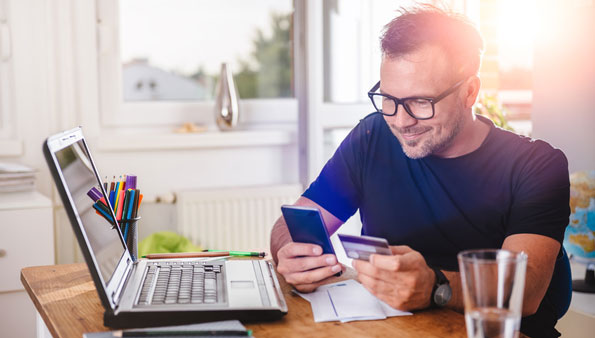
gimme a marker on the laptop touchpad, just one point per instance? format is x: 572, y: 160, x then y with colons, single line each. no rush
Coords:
x: 242, y: 284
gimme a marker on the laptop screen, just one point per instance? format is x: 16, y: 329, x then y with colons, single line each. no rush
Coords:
x: 105, y: 242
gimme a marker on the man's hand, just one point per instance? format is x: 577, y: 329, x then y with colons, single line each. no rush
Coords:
x: 304, y: 266
x: 404, y: 281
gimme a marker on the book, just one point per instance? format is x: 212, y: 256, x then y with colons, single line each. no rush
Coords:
x: 226, y: 328
x: 16, y: 177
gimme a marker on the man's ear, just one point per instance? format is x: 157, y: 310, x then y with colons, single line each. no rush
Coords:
x: 472, y: 86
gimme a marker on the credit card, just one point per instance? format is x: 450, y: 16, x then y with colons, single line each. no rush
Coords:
x: 361, y: 247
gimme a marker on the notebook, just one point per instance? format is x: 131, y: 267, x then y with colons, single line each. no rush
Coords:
x: 146, y: 293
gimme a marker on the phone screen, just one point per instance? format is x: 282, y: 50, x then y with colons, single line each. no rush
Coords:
x: 307, y: 226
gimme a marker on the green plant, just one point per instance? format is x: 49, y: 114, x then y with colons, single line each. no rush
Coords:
x: 489, y: 106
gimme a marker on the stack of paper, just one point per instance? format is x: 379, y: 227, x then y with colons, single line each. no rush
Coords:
x: 16, y: 177
x: 347, y: 301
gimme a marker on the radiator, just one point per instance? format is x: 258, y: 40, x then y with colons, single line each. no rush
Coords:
x: 233, y: 219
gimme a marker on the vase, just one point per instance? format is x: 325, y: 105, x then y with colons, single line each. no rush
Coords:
x: 226, y: 101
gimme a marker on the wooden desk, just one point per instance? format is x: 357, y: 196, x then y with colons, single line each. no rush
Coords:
x: 66, y: 299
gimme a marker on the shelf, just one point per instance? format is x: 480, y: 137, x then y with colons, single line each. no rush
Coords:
x: 205, y: 140
x: 24, y: 200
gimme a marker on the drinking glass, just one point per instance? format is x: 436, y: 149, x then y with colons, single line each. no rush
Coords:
x: 493, y: 282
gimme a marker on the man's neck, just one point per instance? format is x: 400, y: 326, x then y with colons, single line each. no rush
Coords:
x: 468, y: 140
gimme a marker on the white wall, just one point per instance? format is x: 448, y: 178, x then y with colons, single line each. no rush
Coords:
x: 564, y: 81
x: 31, y: 114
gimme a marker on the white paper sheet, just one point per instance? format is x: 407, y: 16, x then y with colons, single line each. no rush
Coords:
x: 347, y: 301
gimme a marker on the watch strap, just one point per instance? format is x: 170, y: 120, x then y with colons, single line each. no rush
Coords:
x: 440, y: 277
x: 440, y: 280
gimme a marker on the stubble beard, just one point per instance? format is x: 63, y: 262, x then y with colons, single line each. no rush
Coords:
x: 431, y: 144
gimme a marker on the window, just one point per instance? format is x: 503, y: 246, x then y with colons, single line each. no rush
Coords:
x: 508, y: 28
x: 517, y: 28
x: 351, y: 62
x: 165, y: 57
x: 9, y: 144
x: 352, y: 55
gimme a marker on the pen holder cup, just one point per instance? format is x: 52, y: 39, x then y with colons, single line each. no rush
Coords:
x: 130, y: 233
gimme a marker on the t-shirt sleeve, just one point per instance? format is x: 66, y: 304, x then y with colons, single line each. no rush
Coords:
x: 542, y: 192
x: 338, y: 186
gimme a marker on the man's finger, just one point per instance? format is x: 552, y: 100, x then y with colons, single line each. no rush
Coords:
x: 364, y: 267
x: 299, y: 249
x: 400, y: 249
x: 313, y: 276
x: 313, y: 286
x: 307, y: 288
x: 405, y: 262
x: 300, y: 264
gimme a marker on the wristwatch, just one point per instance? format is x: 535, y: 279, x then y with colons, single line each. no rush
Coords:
x: 441, y: 293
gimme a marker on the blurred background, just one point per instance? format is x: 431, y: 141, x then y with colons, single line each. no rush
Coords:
x: 140, y: 77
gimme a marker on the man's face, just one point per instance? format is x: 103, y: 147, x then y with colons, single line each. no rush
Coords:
x: 424, y: 72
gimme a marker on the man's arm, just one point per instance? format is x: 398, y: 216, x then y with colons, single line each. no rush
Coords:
x: 542, y: 252
x: 405, y: 281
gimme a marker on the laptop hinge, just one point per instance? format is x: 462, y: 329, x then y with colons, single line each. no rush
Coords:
x: 118, y: 292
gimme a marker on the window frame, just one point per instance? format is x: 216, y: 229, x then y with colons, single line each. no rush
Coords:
x: 10, y: 144
x: 114, y: 112
x: 5, y: 72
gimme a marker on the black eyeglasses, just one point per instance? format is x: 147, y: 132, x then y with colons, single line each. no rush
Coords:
x: 420, y: 108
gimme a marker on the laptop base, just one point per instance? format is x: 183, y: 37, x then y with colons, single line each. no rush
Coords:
x: 165, y: 318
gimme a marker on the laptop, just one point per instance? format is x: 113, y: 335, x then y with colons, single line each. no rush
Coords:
x: 143, y: 293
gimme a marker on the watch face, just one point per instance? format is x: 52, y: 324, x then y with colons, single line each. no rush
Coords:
x: 442, y: 294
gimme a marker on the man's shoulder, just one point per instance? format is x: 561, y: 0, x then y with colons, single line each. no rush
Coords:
x: 370, y: 127
x: 374, y: 119
x: 529, y: 153
x: 524, y: 146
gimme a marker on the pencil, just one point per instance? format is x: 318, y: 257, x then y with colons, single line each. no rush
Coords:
x: 186, y: 255
x: 117, y: 197
x: 241, y: 253
x: 137, y: 199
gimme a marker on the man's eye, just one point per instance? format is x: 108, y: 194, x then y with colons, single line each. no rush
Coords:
x: 419, y: 103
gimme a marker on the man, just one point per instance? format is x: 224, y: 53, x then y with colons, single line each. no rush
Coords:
x: 434, y: 179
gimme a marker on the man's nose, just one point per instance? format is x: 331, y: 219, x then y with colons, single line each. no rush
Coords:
x: 402, y: 119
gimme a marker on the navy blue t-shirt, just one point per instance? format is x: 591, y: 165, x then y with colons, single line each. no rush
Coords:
x: 440, y: 206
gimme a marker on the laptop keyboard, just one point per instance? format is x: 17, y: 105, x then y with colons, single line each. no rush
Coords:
x: 182, y: 282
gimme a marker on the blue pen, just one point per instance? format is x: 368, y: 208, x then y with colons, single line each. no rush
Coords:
x: 125, y: 216
x: 111, y: 199
x: 107, y: 216
x: 130, y: 204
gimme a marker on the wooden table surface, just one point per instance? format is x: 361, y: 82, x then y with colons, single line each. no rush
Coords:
x: 66, y: 299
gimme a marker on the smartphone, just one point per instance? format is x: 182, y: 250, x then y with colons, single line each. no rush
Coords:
x: 306, y: 225
x: 361, y: 247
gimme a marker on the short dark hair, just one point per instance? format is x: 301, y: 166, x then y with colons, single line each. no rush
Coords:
x: 425, y: 25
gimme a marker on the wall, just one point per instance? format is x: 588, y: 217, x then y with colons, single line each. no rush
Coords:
x: 564, y: 105
x: 30, y: 100
x: 564, y: 79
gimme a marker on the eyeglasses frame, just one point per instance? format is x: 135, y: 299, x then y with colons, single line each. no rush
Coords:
x: 397, y: 101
